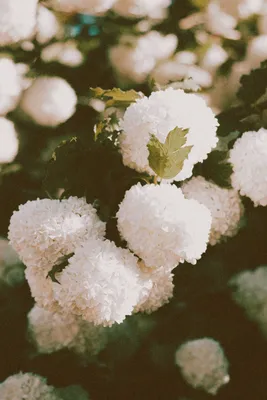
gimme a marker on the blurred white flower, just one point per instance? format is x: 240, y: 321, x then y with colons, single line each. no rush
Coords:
x: 241, y: 9
x: 256, y: 51
x: 219, y: 23
x: 10, y: 85
x: 141, y: 8
x: 203, y: 364
x: 214, y: 57
x: 262, y: 21
x: 135, y: 57
x: 162, y: 227
x: 49, y: 101
x: 17, y: 20
x: 92, y: 7
x: 47, y: 25
x: 159, y: 114
x: 66, y: 53
x: 9, y: 141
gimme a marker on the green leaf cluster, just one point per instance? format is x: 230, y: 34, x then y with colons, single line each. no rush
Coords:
x: 115, y: 97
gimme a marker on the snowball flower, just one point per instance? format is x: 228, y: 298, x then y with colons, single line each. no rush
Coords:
x: 9, y: 141
x: 257, y: 51
x: 224, y: 204
x: 51, y: 332
x: 11, y: 270
x: 162, y: 227
x: 49, y: 101
x: 17, y: 20
x: 47, y: 25
x: 203, y: 364
x: 214, y: 57
x: 102, y: 283
x: 92, y: 7
x: 65, y: 53
x: 161, y: 291
x: 220, y: 23
x: 42, y: 231
x: 141, y: 8
x: 159, y: 114
x: 27, y: 386
x: 135, y: 57
x: 249, y: 160
x: 10, y: 85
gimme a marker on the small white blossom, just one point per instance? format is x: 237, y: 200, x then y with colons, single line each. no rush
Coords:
x: 214, y: 57
x: 256, y: 51
x: 102, y: 283
x: 241, y: 9
x: 49, y: 101
x: 203, y: 364
x: 140, y: 8
x: 17, y: 20
x: 249, y: 160
x: 10, y: 85
x: 158, y: 115
x: 92, y: 7
x: 47, y: 25
x: 42, y: 231
x: 162, y: 227
x: 220, y: 23
x: 65, y: 53
x: 9, y: 141
x: 135, y: 57
x: 224, y: 204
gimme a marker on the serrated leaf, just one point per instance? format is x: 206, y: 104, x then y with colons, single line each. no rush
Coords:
x: 59, y: 267
x: 167, y: 159
x: 115, y: 96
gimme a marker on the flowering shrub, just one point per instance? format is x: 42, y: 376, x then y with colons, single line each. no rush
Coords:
x: 133, y: 138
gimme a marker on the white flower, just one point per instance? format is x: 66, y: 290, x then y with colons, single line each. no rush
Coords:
x: 27, y: 386
x: 256, y: 51
x: 10, y: 85
x: 161, y: 292
x: 158, y: 115
x: 42, y: 231
x: 102, y: 283
x: 65, y: 53
x: 162, y: 227
x: 9, y: 141
x: 224, y: 204
x: 214, y: 57
x: 17, y: 20
x: 11, y: 269
x: 262, y: 21
x: 140, y: 8
x: 49, y: 101
x: 241, y: 9
x: 249, y: 160
x: 203, y: 364
x: 92, y: 7
x: 220, y: 23
x: 47, y: 25
x: 51, y: 332
x: 135, y: 57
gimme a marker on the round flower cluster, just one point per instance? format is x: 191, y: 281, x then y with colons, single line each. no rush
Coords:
x: 158, y: 115
x: 141, y: 8
x: 10, y: 85
x: 102, y: 283
x: 134, y: 58
x: 34, y: 387
x: 11, y: 269
x: 47, y: 25
x: 203, y: 364
x: 49, y: 101
x: 43, y: 231
x: 249, y: 160
x: 65, y: 53
x: 162, y: 227
x: 224, y: 204
x: 17, y: 20
x: 92, y: 7
x: 52, y: 331
x: 9, y: 137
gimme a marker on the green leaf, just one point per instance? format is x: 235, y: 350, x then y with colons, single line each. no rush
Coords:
x: 59, y: 267
x: 167, y: 159
x: 115, y: 97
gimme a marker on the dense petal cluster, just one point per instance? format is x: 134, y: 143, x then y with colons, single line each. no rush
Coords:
x: 162, y: 227
x: 9, y: 137
x: 102, y: 283
x: 141, y: 8
x: 249, y: 160
x: 47, y: 25
x: 52, y: 331
x: 11, y: 269
x: 10, y: 85
x: 92, y: 7
x: 17, y: 20
x: 224, y: 204
x: 42, y: 231
x: 134, y: 58
x: 203, y: 364
x: 158, y: 115
x: 49, y: 101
